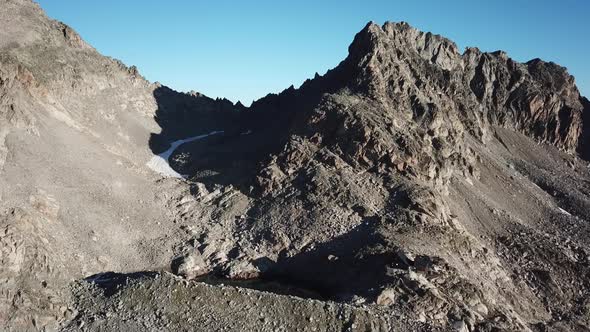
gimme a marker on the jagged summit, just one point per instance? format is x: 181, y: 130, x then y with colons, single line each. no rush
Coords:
x: 395, y: 62
x: 403, y: 37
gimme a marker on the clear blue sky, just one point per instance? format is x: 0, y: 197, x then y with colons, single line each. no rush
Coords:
x: 243, y: 50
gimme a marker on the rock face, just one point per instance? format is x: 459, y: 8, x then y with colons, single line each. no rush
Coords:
x: 412, y: 187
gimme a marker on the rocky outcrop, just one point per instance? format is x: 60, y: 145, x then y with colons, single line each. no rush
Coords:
x: 33, y: 283
x: 538, y: 98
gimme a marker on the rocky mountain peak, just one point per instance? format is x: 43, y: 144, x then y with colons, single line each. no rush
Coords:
x: 415, y: 86
x: 399, y: 40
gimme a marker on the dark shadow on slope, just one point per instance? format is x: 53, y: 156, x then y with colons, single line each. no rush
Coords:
x: 251, y: 135
x: 276, y: 286
x: 227, y: 158
x: 182, y: 115
x: 355, y: 263
x: 584, y: 142
x: 111, y: 282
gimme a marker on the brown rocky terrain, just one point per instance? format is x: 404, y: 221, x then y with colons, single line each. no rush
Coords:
x: 412, y: 187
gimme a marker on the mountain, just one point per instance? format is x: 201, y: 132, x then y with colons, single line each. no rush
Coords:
x: 412, y: 187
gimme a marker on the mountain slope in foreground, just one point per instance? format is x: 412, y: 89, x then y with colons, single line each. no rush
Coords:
x: 412, y: 187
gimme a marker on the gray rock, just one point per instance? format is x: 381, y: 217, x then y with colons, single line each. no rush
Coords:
x: 192, y: 265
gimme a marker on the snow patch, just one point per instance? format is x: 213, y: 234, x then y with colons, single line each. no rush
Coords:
x: 160, y: 163
x: 248, y: 132
x: 564, y: 212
